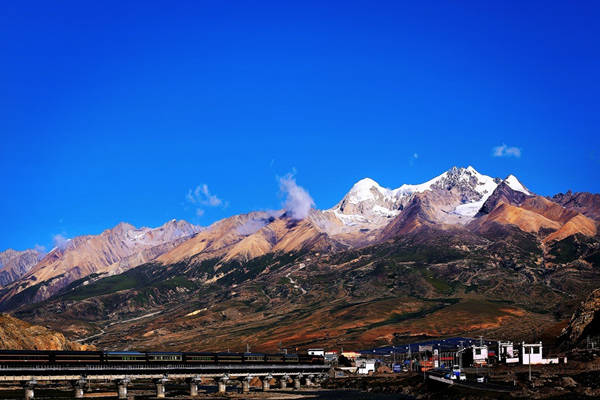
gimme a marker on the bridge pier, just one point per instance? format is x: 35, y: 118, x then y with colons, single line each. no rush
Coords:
x: 29, y: 392
x: 194, y: 385
x: 283, y: 382
x: 122, y: 388
x: 160, y: 387
x: 297, y: 382
x: 78, y: 387
x: 246, y: 384
x: 222, y: 385
x: 309, y: 380
x: 266, y: 383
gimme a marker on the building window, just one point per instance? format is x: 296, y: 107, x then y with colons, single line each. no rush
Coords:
x: 478, y: 352
x: 536, y: 350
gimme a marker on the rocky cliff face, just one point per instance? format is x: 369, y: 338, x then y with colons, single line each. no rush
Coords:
x: 14, y: 264
x: 584, y: 322
x: 585, y: 203
x: 20, y: 335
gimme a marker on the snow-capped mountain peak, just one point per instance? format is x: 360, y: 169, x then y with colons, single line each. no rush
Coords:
x: 366, y: 189
x: 515, y: 184
x: 367, y: 202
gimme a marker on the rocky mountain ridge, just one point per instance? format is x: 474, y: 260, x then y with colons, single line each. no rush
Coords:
x: 14, y: 264
x: 111, y: 252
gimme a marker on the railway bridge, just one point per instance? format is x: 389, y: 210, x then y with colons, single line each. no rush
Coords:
x: 82, y: 375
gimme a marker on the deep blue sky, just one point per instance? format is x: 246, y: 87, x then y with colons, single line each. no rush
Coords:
x: 113, y: 111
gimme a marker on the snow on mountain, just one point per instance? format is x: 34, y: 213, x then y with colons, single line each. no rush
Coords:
x: 515, y: 184
x: 368, y: 203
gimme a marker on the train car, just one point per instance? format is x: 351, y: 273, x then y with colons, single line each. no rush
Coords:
x: 274, y: 358
x: 229, y: 358
x: 305, y: 358
x: 124, y: 357
x: 163, y: 357
x: 76, y: 357
x: 291, y: 358
x: 24, y: 357
x: 199, y: 358
x: 254, y: 358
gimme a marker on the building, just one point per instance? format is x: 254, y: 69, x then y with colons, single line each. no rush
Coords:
x: 507, y: 353
x: 531, y: 353
x: 480, y: 354
x: 351, y: 355
x: 331, y: 356
x: 365, y: 366
x: 316, y: 352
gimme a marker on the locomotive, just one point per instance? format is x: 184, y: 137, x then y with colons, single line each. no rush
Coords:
x: 79, y: 358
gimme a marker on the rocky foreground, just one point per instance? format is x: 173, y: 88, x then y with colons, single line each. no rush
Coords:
x: 20, y: 335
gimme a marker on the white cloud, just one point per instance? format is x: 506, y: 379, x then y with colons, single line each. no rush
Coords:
x: 297, y: 200
x: 201, y: 196
x: 506, y: 151
x: 60, y: 241
x: 39, y: 248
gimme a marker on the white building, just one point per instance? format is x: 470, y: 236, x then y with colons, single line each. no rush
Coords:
x: 531, y: 353
x: 316, y: 352
x: 365, y: 366
x: 507, y: 353
x: 480, y: 354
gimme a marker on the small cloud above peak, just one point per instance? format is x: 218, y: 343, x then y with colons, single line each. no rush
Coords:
x: 60, y: 241
x: 201, y: 196
x: 297, y: 200
x: 506, y: 151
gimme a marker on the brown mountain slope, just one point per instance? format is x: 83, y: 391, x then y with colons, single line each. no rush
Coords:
x: 20, y: 335
x: 281, y: 235
x: 548, y: 209
x: 506, y: 214
x: 247, y: 236
x: 218, y: 238
x: 577, y: 224
x: 538, y: 215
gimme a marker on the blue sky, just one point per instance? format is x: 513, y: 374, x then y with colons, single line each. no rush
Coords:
x: 114, y: 111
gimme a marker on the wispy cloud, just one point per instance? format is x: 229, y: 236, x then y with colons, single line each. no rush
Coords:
x: 39, y: 248
x: 60, y: 241
x: 202, y: 197
x: 412, y: 159
x: 297, y: 200
x: 506, y: 151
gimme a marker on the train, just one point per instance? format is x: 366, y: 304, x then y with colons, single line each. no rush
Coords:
x: 74, y: 358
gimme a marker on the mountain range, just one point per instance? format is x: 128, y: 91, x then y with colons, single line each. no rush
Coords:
x: 462, y: 252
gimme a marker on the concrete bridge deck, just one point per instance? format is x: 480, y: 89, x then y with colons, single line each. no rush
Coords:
x: 80, y: 376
